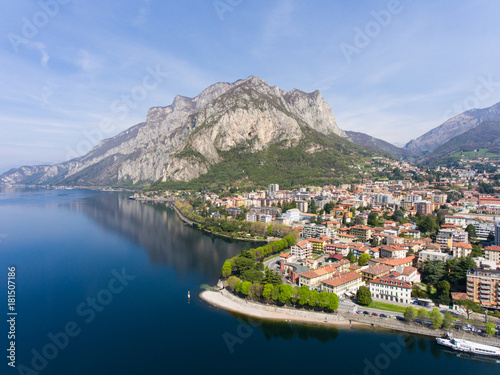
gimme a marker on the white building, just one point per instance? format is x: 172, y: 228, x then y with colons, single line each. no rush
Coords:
x: 266, y: 218
x: 390, y: 288
x: 316, y: 230
x: 292, y: 215
x: 497, y: 233
x: 348, y: 282
x: 302, y: 250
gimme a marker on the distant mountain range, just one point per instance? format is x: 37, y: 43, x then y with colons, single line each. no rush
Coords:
x: 250, y: 133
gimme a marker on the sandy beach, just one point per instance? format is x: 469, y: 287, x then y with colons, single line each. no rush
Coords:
x: 229, y: 302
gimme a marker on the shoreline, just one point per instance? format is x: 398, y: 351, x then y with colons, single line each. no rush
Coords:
x: 226, y: 301
x: 194, y: 224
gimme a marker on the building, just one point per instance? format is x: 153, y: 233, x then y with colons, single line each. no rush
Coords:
x: 445, y: 239
x: 394, y: 262
x: 393, y: 252
x: 272, y: 189
x: 361, y: 232
x: 317, y: 244
x: 390, y: 288
x: 302, y: 206
x: 345, y: 283
x: 249, y: 216
x: 313, y: 278
x: 302, y: 249
x: 317, y: 230
x: 497, y: 233
x: 292, y: 215
x: 492, y: 253
x: 461, y: 249
x: 455, y: 220
x: 409, y: 274
x: 266, y: 218
x: 432, y: 255
x: 483, y: 286
x: 424, y: 207
x: 374, y: 272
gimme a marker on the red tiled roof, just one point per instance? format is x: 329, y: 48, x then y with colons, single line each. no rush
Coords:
x: 343, y: 278
x: 492, y: 248
x: 391, y: 279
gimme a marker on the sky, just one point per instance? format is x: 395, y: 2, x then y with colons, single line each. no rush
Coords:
x: 74, y: 72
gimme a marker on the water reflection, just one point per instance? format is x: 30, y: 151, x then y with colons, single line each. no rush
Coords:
x: 289, y: 330
x: 157, y: 229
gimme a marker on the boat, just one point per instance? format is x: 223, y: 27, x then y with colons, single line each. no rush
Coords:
x: 467, y: 346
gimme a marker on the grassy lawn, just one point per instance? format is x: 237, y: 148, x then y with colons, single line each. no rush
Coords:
x: 387, y: 306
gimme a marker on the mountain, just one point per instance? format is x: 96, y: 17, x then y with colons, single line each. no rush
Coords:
x: 225, y: 124
x: 481, y: 141
x: 451, y: 128
x: 366, y: 140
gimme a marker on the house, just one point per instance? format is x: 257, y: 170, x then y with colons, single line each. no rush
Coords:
x: 374, y: 272
x: 492, y: 253
x: 392, y: 252
x: 344, y: 283
x: 312, y: 278
x: 334, y: 258
x: 292, y: 270
x: 425, y: 255
x: 390, y: 288
x: 316, y: 231
x: 408, y: 274
x: 461, y: 249
x: 302, y: 249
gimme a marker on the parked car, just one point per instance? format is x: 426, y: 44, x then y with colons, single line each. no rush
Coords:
x: 392, y: 317
x: 359, y: 312
x: 374, y: 314
x: 401, y: 318
x: 366, y: 313
x: 383, y: 316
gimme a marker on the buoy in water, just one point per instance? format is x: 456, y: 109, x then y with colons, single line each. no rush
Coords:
x: 189, y: 295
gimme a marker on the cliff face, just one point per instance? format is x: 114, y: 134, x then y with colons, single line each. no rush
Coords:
x: 451, y: 128
x: 181, y: 141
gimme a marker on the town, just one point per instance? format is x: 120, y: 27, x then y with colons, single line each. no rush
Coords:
x: 430, y: 237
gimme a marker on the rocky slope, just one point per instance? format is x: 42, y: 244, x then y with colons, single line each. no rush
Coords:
x: 451, y: 128
x: 182, y: 141
x: 368, y: 141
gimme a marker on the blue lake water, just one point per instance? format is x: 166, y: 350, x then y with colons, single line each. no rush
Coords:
x: 108, y: 277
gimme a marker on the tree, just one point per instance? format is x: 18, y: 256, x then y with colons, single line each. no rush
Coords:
x: 237, y: 286
x: 295, y: 294
x: 422, y: 314
x: 417, y: 292
x: 373, y: 219
x: 304, y: 295
x: 448, y: 321
x: 313, y: 298
x: 245, y: 287
x: 333, y: 301
x: 427, y: 224
x: 275, y: 293
x: 231, y: 282
x: 227, y: 268
x: 436, y: 318
x: 477, y: 251
x: 363, y: 259
x: 433, y: 271
x: 350, y: 256
x: 252, y: 275
x: 410, y: 314
x: 469, y: 306
x: 267, y: 291
x: 443, y: 292
x: 471, y: 230
x: 363, y: 296
x: 490, y: 328
x: 243, y: 264
x: 285, y: 293
x: 256, y: 291
x: 324, y: 300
